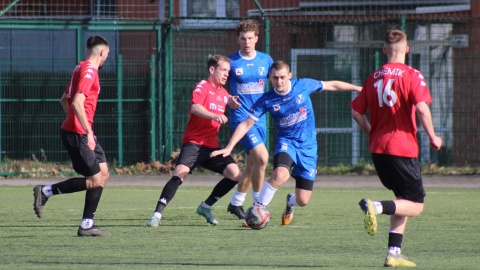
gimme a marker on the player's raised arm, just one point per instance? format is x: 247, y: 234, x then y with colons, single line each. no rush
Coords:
x: 340, y: 86
x: 233, y: 102
x: 240, y: 131
x: 201, y: 111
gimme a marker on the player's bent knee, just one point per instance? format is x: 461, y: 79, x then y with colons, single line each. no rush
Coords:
x: 302, y: 203
x: 419, y: 208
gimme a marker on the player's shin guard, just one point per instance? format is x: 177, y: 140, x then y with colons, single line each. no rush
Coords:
x: 220, y: 190
x: 92, y: 198
x: 168, y: 193
x: 69, y: 186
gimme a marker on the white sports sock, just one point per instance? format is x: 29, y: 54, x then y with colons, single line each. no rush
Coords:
x: 394, y: 251
x: 255, y: 195
x: 292, y: 201
x: 86, y: 223
x: 266, y: 194
x: 47, y: 191
x: 157, y: 215
x: 378, y: 207
x: 238, y: 198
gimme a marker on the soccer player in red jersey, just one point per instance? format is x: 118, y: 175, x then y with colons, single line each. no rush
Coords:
x: 79, y: 102
x: 394, y: 95
x: 207, y: 114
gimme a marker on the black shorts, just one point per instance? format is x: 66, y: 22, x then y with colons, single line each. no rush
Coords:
x: 283, y: 159
x: 192, y: 155
x: 402, y: 175
x: 84, y: 161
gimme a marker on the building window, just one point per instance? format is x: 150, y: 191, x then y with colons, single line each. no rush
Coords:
x: 210, y: 8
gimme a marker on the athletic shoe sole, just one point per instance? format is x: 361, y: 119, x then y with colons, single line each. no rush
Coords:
x: 94, y: 231
x: 370, y: 219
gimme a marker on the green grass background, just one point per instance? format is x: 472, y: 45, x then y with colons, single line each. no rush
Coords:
x: 327, y: 234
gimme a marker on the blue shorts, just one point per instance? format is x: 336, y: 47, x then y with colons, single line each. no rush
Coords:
x: 255, y: 136
x: 304, y: 158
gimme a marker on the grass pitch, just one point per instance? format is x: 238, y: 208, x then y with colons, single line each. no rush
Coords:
x: 327, y: 234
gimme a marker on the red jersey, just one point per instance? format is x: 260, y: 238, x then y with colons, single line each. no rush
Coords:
x: 200, y: 130
x: 84, y: 80
x: 390, y: 94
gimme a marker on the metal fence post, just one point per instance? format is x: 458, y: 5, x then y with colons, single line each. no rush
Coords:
x: 152, y: 107
x: 120, y: 108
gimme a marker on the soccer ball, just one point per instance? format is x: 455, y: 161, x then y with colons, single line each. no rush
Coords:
x: 257, y: 217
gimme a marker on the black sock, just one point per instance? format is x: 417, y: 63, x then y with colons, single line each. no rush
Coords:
x: 395, y: 240
x: 69, y: 186
x: 389, y: 207
x: 168, y: 193
x: 220, y: 190
x: 92, y: 198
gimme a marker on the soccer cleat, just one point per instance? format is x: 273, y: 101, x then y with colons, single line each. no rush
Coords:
x: 288, y: 213
x: 39, y: 200
x: 236, y: 210
x: 207, y: 213
x: 398, y: 261
x: 153, y: 222
x: 370, y: 220
x: 93, y: 231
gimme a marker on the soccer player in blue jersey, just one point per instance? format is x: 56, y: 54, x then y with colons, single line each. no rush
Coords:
x: 289, y: 103
x: 247, y: 81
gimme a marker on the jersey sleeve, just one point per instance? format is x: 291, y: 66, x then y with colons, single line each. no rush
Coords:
x: 420, y: 91
x: 86, y: 80
x: 312, y: 85
x: 360, y: 104
x: 258, y: 109
x: 199, y: 93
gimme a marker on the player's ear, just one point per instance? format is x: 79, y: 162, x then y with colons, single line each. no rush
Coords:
x: 211, y: 69
x: 407, y: 49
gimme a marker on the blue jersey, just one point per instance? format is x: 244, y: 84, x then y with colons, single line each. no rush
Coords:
x: 293, y: 112
x: 248, y: 79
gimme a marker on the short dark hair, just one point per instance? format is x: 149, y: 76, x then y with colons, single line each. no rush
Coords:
x: 214, y: 59
x: 279, y: 64
x: 95, y: 41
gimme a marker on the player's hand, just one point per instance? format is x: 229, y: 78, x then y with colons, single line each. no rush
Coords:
x: 233, y: 103
x: 436, y: 143
x: 224, y: 152
x: 220, y: 118
x: 91, y: 141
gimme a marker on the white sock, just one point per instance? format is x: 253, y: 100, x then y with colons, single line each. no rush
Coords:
x: 238, y: 198
x: 378, y: 207
x: 87, y: 223
x: 394, y: 251
x: 47, y: 191
x: 292, y: 201
x: 157, y: 215
x: 266, y: 194
x: 255, y: 195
